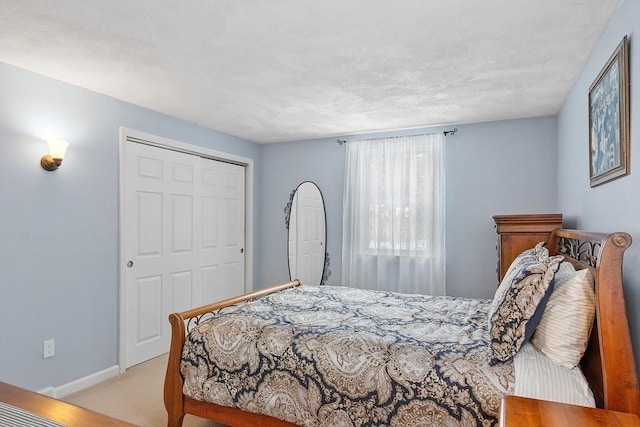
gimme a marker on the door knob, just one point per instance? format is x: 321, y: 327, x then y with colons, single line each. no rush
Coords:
x: 130, y: 264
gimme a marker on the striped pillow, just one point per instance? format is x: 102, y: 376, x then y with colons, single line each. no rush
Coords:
x: 539, y: 377
x: 565, y: 325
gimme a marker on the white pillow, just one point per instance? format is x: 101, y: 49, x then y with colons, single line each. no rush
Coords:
x: 565, y: 326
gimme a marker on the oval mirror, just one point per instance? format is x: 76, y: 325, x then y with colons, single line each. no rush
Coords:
x: 307, y: 234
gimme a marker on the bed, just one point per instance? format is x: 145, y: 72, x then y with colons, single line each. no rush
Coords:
x: 261, y: 376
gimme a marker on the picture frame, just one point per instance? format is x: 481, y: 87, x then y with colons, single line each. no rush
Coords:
x: 609, y: 141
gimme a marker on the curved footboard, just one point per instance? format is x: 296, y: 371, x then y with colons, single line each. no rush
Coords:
x: 174, y: 400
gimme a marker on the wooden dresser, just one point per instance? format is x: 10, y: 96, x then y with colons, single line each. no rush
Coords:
x: 517, y: 233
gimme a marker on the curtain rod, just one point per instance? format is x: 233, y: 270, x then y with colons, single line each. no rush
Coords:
x: 446, y: 132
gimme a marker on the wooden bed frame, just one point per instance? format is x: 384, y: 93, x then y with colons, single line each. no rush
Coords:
x: 608, y: 363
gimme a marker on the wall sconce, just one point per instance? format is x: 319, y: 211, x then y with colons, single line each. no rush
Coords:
x: 53, y: 160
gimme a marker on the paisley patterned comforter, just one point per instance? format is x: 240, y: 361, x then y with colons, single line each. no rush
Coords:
x: 336, y: 356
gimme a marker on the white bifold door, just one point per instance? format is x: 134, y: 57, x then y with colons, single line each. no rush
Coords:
x: 183, y: 232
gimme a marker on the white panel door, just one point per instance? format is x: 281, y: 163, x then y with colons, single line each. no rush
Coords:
x: 310, y: 237
x: 222, y: 238
x: 173, y: 220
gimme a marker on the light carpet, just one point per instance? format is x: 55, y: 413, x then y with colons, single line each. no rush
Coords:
x: 135, y: 396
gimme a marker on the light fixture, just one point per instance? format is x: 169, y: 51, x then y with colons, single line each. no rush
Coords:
x: 53, y: 160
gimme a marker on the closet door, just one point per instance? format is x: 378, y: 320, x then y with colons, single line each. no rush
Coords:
x: 183, y: 231
x: 222, y: 237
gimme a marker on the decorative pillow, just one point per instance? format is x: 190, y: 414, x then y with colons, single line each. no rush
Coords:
x: 564, y: 329
x: 520, y: 300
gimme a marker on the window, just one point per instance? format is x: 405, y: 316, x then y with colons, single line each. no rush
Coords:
x: 393, y: 225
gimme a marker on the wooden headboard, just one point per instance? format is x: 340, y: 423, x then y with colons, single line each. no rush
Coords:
x: 608, y: 363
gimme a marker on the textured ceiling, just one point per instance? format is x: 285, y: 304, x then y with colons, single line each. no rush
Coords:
x: 283, y: 70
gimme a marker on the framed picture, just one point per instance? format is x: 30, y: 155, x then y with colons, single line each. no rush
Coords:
x: 609, y: 119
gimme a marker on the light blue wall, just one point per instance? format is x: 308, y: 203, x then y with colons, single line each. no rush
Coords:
x: 613, y: 206
x: 58, y: 230
x: 505, y: 167
x: 284, y: 166
x: 491, y: 168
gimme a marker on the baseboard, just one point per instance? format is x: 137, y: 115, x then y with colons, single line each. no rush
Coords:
x: 82, y: 383
x: 49, y: 391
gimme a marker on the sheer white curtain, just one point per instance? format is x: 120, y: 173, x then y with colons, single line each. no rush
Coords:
x: 393, y: 218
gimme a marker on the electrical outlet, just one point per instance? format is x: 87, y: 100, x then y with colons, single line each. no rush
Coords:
x: 49, y: 348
